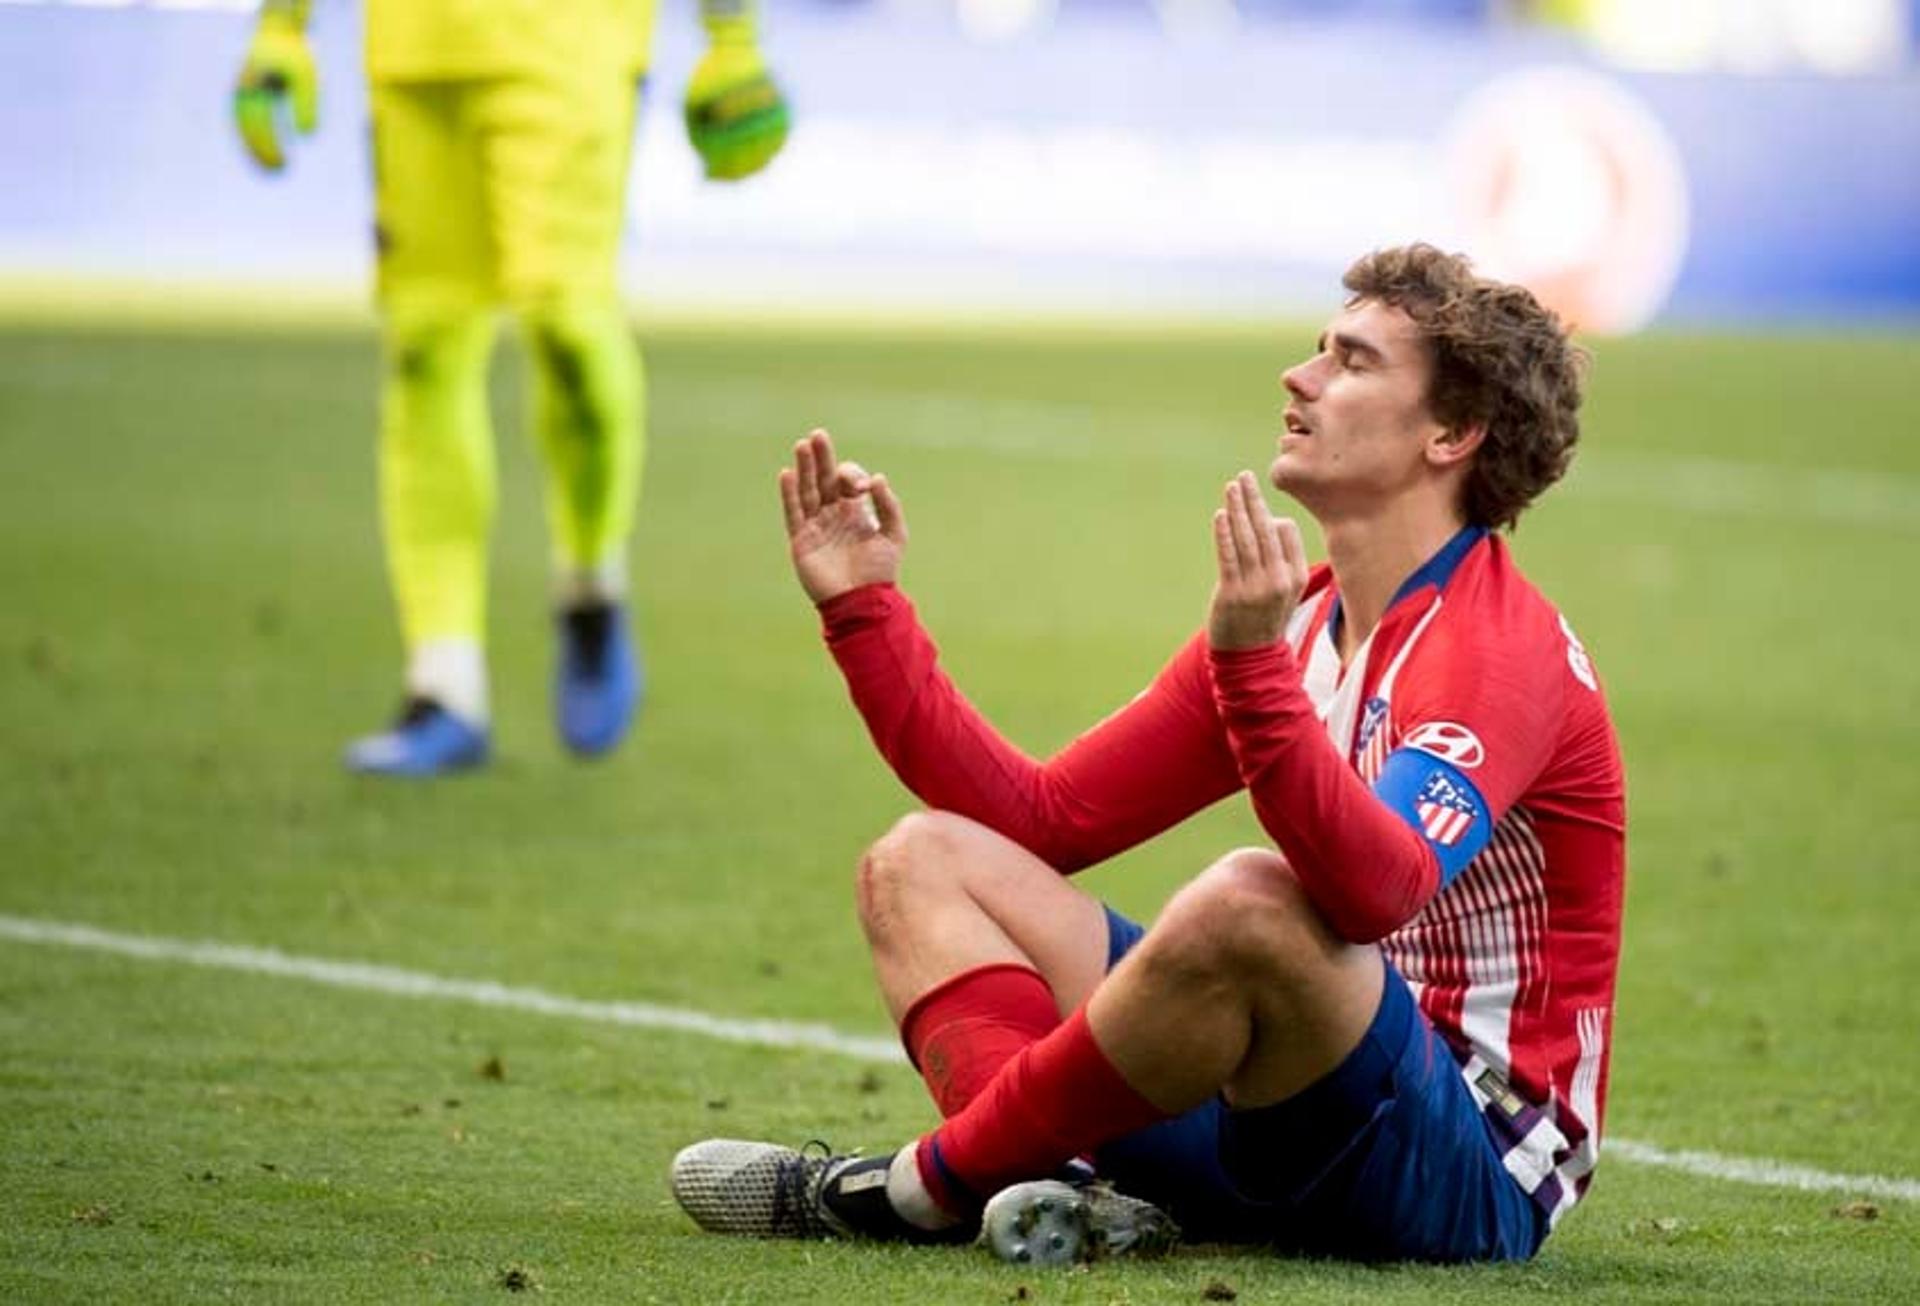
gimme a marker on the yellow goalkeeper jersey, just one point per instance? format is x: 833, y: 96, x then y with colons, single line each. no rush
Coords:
x: 441, y: 40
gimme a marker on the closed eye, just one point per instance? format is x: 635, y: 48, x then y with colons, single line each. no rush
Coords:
x: 1353, y: 353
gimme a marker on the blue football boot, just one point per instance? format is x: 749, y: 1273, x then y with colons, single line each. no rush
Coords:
x: 426, y: 740
x: 597, y: 685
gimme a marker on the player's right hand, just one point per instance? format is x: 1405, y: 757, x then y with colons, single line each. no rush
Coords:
x: 1262, y: 569
x: 279, y: 73
x: 845, y: 529
x: 736, y: 116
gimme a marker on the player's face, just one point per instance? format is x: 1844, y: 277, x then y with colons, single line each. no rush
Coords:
x: 1356, y: 420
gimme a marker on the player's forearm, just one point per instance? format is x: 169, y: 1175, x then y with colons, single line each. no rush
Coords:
x: 935, y: 741
x: 1145, y: 768
x: 1130, y: 777
x: 1362, y: 866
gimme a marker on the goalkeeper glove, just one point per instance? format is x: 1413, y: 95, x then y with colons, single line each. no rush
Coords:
x: 736, y: 117
x: 279, y: 68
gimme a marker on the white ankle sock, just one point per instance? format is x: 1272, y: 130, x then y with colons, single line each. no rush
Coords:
x: 604, y: 582
x: 909, y: 1196
x: 453, y: 673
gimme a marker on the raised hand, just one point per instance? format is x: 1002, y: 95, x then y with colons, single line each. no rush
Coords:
x: 1263, y: 568
x: 844, y: 527
x: 277, y: 83
x: 736, y: 116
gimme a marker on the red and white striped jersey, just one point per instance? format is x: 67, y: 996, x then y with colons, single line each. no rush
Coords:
x: 1453, y: 793
x: 1514, y: 958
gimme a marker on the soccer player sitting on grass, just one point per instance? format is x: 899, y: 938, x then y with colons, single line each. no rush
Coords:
x: 501, y: 133
x: 1384, y: 1038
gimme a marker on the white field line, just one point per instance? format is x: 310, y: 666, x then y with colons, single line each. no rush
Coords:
x: 484, y: 993
x: 1760, y: 1171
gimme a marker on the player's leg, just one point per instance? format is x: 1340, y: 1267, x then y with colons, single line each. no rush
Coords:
x: 1321, y: 1111
x: 557, y: 170
x: 1238, y: 989
x: 1389, y: 1156
x: 978, y: 946
x: 437, y: 479
x: 1318, y: 1109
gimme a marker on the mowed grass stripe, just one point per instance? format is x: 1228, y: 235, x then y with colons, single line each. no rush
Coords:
x: 1052, y: 430
x: 1758, y: 1171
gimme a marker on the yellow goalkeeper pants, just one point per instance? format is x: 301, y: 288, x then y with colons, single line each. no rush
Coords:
x: 501, y: 193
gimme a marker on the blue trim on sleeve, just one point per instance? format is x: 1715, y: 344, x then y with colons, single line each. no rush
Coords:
x: 1440, y: 803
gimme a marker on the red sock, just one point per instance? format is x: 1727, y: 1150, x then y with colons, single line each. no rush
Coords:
x: 1058, y: 1099
x: 962, y: 1031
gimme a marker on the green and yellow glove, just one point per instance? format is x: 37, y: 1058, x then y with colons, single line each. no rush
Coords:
x: 279, y: 70
x: 736, y: 117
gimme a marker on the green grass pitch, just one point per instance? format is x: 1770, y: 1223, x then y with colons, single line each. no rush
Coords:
x: 193, y: 620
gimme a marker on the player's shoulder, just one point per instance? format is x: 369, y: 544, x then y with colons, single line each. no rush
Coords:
x: 1500, y: 668
x: 1491, y: 602
x: 1495, y: 621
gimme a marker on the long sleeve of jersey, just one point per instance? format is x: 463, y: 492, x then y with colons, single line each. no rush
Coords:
x: 1365, y: 868
x: 1151, y: 764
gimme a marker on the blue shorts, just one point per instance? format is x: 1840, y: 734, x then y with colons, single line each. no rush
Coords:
x: 1385, y: 1159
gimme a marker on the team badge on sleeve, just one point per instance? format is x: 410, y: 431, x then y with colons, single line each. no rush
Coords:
x: 1434, y: 796
x: 1445, y: 812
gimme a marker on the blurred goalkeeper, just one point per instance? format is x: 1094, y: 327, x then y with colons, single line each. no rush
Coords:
x: 501, y: 138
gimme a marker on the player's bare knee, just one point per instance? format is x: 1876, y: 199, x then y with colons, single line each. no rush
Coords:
x: 900, y: 867
x: 1277, y: 910
x: 1244, y: 916
x: 1196, y: 937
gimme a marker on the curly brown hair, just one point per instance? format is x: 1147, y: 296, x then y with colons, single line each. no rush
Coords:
x: 1500, y: 359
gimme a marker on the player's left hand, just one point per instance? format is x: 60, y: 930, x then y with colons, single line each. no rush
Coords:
x: 1263, y: 568
x: 278, y: 75
x: 736, y: 117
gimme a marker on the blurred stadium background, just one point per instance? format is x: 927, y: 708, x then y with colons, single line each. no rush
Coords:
x: 971, y: 262
x: 1686, y: 160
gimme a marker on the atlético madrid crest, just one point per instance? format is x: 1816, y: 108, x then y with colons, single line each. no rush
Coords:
x: 1446, y: 813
